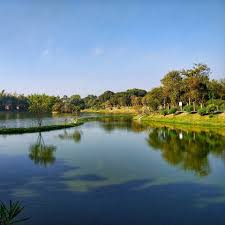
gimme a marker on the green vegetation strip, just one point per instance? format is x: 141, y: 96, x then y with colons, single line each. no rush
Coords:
x: 37, y: 129
x: 189, y: 119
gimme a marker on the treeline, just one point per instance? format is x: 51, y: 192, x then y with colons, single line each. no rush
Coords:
x: 191, y: 87
x: 12, y: 102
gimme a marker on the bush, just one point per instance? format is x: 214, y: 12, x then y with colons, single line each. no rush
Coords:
x: 164, y: 112
x: 217, y: 102
x: 202, y: 111
x: 188, y: 108
x: 172, y: 111
x: 211, y: 108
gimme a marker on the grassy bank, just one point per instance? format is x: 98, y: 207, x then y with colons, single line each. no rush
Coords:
x: 38, y: 129
x: 183, y: 118
x: 217, y: 120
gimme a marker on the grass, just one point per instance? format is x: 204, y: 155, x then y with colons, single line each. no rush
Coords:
x: 186, y: 118
x: 181, y: 118
x: 24, y: 130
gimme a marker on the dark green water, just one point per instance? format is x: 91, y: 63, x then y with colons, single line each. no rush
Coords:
x: 116, y: 172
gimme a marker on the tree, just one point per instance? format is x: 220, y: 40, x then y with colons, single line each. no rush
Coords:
x: 196, y: 82
x: 136, y: 92
x: 154, y: 99
x: 76, y: 100
x: 172, y: 87
x: 58, y: 107
x: 90, y: 101
x: 215, y: 88
x: 39, y: 105
x: 136, y: 101
x: 105, y: 96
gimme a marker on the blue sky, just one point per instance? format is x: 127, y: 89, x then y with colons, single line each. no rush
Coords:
x: 68, y: 47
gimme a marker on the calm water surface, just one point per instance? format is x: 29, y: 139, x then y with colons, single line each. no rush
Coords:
x: 11, y: 119
x: 116, y: 172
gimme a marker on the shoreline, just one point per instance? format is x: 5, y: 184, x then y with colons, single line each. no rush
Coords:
x: 191, y: 120
x: 217, y: 120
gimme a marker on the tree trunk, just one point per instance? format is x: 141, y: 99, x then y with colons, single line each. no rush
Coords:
x: 194, y: 106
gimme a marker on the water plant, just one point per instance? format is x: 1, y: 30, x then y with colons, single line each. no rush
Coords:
x: 9, y: 213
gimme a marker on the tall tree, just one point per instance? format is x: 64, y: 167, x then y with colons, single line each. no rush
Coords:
x: 39, y: 105
x: 172, y: 87
x: 105, y: 96
x: 196, y: 83
x: 154, y: 99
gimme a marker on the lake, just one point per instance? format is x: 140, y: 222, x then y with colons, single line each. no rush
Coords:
x: 115, y: 171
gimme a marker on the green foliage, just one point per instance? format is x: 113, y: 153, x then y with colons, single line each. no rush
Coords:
x: 39, y: 105
x: 136, y: 92
x: 105, y: 96
x: 172, y: 86
x: 219, y: 103
x: 188, y: 108
x: 9, y: 214
x: 13, y: 102
x: 196, y: 82
x: 202, y: 111
x: 164, y: 112
x: 211, y: 108
x: 154, y: 99
x: 172, y: 111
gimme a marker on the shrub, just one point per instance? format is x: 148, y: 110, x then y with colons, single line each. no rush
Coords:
x: 172, y: 111
x: 202, y: 111
x: 9, y: 213
x: 211, y: 108
x: 217, y: 102
x: 188, y: 108
x: 164, y: 112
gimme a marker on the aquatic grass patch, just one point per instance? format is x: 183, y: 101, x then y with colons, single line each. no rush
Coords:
x: 24, y: 130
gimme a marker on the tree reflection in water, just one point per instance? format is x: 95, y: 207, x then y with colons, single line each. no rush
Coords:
x: 75, y: 136
x: 186, y: 149
x: 42, y: 154
x: 122, y: 124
